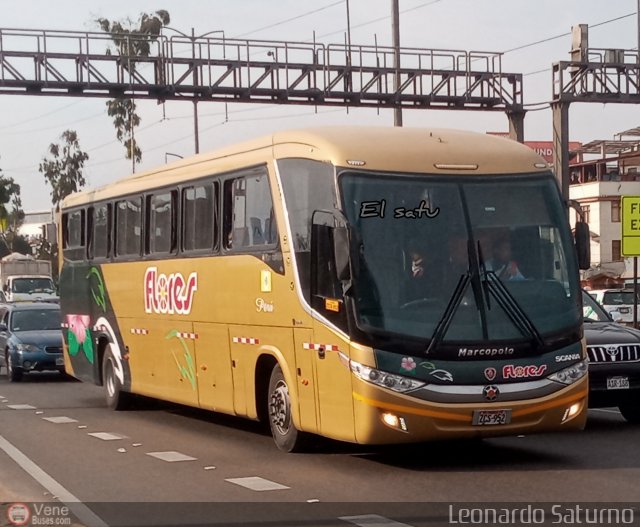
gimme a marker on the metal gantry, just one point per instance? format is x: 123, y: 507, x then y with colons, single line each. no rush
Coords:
x: 605, y: 76
x: 66, y: 63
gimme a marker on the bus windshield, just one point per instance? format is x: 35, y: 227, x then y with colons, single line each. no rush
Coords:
x: 487, y: 258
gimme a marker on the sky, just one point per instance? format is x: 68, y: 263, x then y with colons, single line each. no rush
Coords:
x: 539, y: 29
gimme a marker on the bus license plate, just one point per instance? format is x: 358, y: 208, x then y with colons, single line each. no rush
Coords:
x: 617, y: 383
x: 491, y: 417
x: 59, y: 361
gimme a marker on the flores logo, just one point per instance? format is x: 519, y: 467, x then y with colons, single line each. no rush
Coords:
x: 519, y: 372
x: 484, y: 352
x: 570, y: 356
x: 168, y: 294
x: 490, y: 392
x: 490, y: 373
x: 18, y: 514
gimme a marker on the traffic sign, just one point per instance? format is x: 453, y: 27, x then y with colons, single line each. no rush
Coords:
x: 630, y: 225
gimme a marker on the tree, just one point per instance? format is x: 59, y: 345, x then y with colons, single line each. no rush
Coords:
x: 63, y: 171
x: 10, y: 193
x: 132, y: 40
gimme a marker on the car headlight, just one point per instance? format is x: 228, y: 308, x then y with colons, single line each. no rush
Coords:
x: 27, y: 348
x: 571, y: 374
x: 394, y: 382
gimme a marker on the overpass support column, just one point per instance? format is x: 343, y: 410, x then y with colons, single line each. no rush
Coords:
x: 561, y: 145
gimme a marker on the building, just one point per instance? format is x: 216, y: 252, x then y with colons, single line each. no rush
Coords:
x: 598, y: 184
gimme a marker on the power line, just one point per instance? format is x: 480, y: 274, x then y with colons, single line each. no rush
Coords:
x: 24, y: 121
x: 297, y: 17
x: 373, y: 21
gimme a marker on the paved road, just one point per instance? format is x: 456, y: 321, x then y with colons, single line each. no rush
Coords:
x: 184, y: 461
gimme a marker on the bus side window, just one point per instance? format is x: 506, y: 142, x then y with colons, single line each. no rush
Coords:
x: 74, y: 225
x: 248, y: 213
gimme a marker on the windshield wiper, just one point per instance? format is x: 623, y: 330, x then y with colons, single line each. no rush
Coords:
x: 511, y: 307
x: 447, y: 316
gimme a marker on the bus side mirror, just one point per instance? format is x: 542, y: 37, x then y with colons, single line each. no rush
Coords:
x: 583, y: 245
x: 341, y: 252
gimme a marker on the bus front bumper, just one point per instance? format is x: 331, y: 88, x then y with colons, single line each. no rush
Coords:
x: 384, y: 417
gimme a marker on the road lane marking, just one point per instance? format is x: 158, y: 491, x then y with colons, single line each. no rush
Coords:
x: 105, y: 436
x: 21, y: 407
x: 605, y: 410
x: 372, y: 520
x: 60, y: 420
x: 257, y: 483
x: 80, y: 510
x: 171, y: 456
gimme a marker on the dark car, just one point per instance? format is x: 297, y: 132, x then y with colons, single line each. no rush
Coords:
x: 614, y: 361
x: 30, y: 338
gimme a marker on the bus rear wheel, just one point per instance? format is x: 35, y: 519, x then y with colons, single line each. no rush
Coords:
x: 115, y: 396
x: 286, y: 436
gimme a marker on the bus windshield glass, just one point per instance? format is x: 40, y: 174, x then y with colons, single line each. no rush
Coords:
x: 488, y: 258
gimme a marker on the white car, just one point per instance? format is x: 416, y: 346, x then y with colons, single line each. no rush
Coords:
x: 616, y: 301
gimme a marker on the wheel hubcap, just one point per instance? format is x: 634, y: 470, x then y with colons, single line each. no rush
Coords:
x: 280, y: 408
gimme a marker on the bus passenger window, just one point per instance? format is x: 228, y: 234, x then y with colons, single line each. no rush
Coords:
x: 128, y: 227
x: 199, y: 217
x: 161, y: 223
x: 100, y: 236
x: 249, y: 221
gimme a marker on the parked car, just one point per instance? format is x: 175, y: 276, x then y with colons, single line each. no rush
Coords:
x: 616, y: 300
x: 30, y: 338
x: 614, y: 361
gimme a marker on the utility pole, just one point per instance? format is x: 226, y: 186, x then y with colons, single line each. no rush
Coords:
x: 395, y: 16
x: 195, y: 95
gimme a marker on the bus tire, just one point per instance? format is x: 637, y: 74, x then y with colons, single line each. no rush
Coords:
x: 286, y: 436
x: 115, y: 396
x: 14, y: 374
x: 631, y: 412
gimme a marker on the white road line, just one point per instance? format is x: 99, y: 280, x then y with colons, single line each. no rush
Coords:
x: 106, y: 436
x: 21, y: 407
x: 80, y: 510
x: 171, y: 456
x: 257, y: 483
x: 605, y: 410
x: 372, y: 520
x: 60, y: 420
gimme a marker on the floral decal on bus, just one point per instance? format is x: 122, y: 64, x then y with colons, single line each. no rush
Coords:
x: 79, y: 336
x: 168, y: 294
x: 187, y: 372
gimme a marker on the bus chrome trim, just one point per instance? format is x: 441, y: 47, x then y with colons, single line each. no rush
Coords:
x: 477, y: 388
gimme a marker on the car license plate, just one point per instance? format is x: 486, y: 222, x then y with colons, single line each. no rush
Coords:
x: 59, y: 361
x: 617, y: 383
x: 491, y: 417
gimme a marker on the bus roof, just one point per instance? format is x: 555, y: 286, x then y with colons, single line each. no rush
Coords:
x: 394, y: 149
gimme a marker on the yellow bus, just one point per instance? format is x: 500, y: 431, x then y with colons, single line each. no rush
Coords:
x: 371, y: 285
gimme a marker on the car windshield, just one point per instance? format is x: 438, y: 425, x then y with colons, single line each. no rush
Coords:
x: 32, y: 285
x: 617, y: 298
x: 498, y: 244
x: 592, y: 311
x: 35, y: 319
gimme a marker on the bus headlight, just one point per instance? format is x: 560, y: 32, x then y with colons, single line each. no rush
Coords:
x: 571, y: 374
x: 397, y: 383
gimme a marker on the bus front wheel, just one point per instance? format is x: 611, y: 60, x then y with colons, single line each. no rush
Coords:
x: 286, y: 436
x: 116, y: 397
